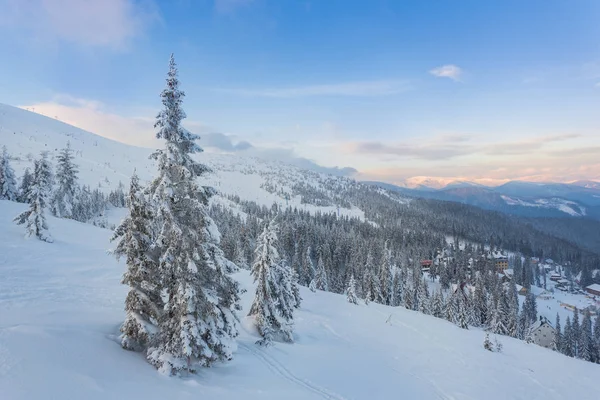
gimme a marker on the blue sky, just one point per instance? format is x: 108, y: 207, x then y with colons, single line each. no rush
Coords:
x: 482, y: 90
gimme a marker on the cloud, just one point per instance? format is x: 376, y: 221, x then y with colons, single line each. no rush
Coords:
x: 426, y: 152
x: 577, y: 151
x: 494, y: 172
x: 101, y: 23
x: 362, y: 88
x: 447, y: 71
x: 229, y: 6
x: 444, y: 147
x: 223, y: 142
x: 95, y: 117
x: 441, y: 147
x: 526, y: 146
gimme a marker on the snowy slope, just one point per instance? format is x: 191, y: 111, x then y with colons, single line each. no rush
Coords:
x: 61, y: 305
x: 566, y: 206
x: 106, y: 162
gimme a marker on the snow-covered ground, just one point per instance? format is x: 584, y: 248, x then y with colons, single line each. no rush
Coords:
x: 103, y: 162
x: 61, y: 305
x: 559, y: 302
x: 566, y: 206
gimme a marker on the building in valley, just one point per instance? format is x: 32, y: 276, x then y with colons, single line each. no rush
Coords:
x: 542, y: 333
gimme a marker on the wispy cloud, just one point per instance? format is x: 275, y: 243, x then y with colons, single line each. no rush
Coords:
x: 447, y: 71
x: 362, y: 88
x: 402, y: 150
x: 102, y: 23
x: 526, y: 146
x: 445, y: 147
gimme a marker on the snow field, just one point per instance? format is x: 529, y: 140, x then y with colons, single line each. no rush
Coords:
x: 61, y: 305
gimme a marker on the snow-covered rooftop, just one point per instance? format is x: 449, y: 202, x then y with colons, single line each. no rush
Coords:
x: 594, y: 286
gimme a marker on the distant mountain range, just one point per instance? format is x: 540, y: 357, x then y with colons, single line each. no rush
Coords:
x: 529, y: 199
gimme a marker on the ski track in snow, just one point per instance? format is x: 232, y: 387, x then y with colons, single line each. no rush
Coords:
x: 277, y: 368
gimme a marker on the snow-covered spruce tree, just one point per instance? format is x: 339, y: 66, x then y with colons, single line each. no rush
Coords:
x: 487, y: 343
x: 423, y: 298
x: 530, y: 308
x: 309, y: 266
x: 463, y: 317
x: 437, y: 305
x: 66, y: 177
x: 575, y: 333
x: 567, y: 348
x: 321, y: 276
x: 522, y: 325
x: 288, y: 288
x: 143, y: 304
x: 497, y: 323
x: 529, y: 335
x: 271, y: 308
x: 8, y: 183
x: 385, y: 277
x: 557, y: 339
x: 34, y: 218
x: 370, y: 280
x: 397, y: 288
x: 586, y: 339
x: 596, y: 336
x: 240, y: 257
x: 197, y: 325
x: 480, y: 302
x: 296, y: 288
x: 25, y: 185
x: 351, y: 291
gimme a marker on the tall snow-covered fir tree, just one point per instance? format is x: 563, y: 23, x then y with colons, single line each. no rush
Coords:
x: 437, y: 305
x: 272, y: 307
x: 557, y: 339
x: 480, y: 301
x: 596, y: 336
x: 66, y: 178
x: 295, y: 288
x: 498, y: 318
x: 385, y: 276
x: 586, y: 338
x: 530, y: 308
x: 197, y: 325
x: 34, y: 218
x: 8, y: 183
x: 423, y: 298
x: 26, y: 182
x: 143, y: 304
x: 309, y: 266
x: 288, y: 288
x: 351, y: 291
x: 575, y: 333
x: 567, y: 345
x: 397, y: 288
x: 320, y: 279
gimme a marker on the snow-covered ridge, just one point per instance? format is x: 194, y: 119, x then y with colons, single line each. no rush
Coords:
x: 566, y: 206
x: 103, y: 162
